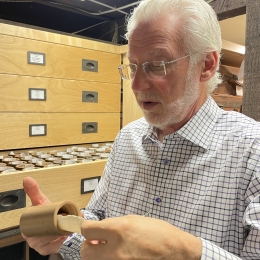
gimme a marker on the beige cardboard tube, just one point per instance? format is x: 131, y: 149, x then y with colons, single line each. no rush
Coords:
x: 42, y: 220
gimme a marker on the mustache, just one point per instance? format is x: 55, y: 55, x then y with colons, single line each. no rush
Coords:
x: 148, y: 96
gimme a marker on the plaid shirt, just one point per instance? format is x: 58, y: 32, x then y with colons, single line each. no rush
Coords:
x: 204, y: 179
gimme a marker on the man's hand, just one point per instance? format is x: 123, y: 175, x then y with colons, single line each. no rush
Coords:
x: 43, y: 245
x: 137, y: 237
x: 32, y: 189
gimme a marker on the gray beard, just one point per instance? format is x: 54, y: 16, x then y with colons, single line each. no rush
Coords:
x: 177, y: 110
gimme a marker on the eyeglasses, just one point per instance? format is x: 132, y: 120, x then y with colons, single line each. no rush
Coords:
x: 153, y: 69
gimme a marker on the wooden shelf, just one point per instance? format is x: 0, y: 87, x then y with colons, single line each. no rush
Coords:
x: 232, y: 54
x: 228, y: 102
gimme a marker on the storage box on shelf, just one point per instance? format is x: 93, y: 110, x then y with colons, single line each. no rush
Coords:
x: 228, y: 102
x: 228, y: 85
x: 226, y: 93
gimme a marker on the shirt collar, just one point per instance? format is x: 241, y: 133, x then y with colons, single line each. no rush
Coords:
x: 198, y: 129
x: 150, y: 134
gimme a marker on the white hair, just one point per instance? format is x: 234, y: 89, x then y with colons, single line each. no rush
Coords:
x: 200, y: 29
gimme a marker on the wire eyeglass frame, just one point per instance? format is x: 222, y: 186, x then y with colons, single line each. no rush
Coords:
x: 152, y: 69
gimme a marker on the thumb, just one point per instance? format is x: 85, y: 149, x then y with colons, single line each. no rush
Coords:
x: 32, y: 189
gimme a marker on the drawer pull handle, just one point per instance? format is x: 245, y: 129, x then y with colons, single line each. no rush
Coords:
x: 90, y: 96
x: 12, y: 199
x: 89, y: 127
x: 90, y: 65
x: 8, y: 201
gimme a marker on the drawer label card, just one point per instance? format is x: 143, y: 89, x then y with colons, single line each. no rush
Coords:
x: 37, y: 130
x: 36, y: 58
x: 37, y: 94
x: 89, y: 184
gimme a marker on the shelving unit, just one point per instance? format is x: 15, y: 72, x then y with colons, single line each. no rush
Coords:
x: 232, y: 56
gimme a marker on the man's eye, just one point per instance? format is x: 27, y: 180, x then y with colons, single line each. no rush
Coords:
x: 132, y: 68
x: 156, y: 66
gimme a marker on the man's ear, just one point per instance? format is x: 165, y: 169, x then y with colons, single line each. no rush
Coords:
x: 209, y: 66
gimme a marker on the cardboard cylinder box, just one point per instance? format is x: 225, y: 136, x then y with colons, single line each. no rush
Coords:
x: 42, y: 220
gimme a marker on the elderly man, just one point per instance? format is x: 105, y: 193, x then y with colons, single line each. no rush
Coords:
x: 183, y: 182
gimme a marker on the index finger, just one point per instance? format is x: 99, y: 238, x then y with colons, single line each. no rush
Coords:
x: 94, y: 230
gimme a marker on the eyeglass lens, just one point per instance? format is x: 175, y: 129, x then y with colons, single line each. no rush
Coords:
x: 153, y: 70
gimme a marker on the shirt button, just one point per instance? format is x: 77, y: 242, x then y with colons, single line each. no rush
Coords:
x: 158, y: 200
x: 165, y: 161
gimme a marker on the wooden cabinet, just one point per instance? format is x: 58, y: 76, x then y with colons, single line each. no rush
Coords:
x: 59, y: 85
x: 131, y: 110
x: 60, y: 61
x: 58, y: 183
x: 61, y: 129
x: 62, y: 95
x: 55, y: 91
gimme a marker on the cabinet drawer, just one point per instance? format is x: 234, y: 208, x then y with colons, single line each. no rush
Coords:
x: 52, y: 182
x: 61, y: 95
x: 50, y: 129
x: 56, y: 60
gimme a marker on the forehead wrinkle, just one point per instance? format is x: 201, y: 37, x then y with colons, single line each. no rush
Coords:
x: 166, y: 41
x: 152, y: 53
x: 159, y: 46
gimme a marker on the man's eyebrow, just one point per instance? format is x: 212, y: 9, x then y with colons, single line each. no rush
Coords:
x: 152, y: 53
